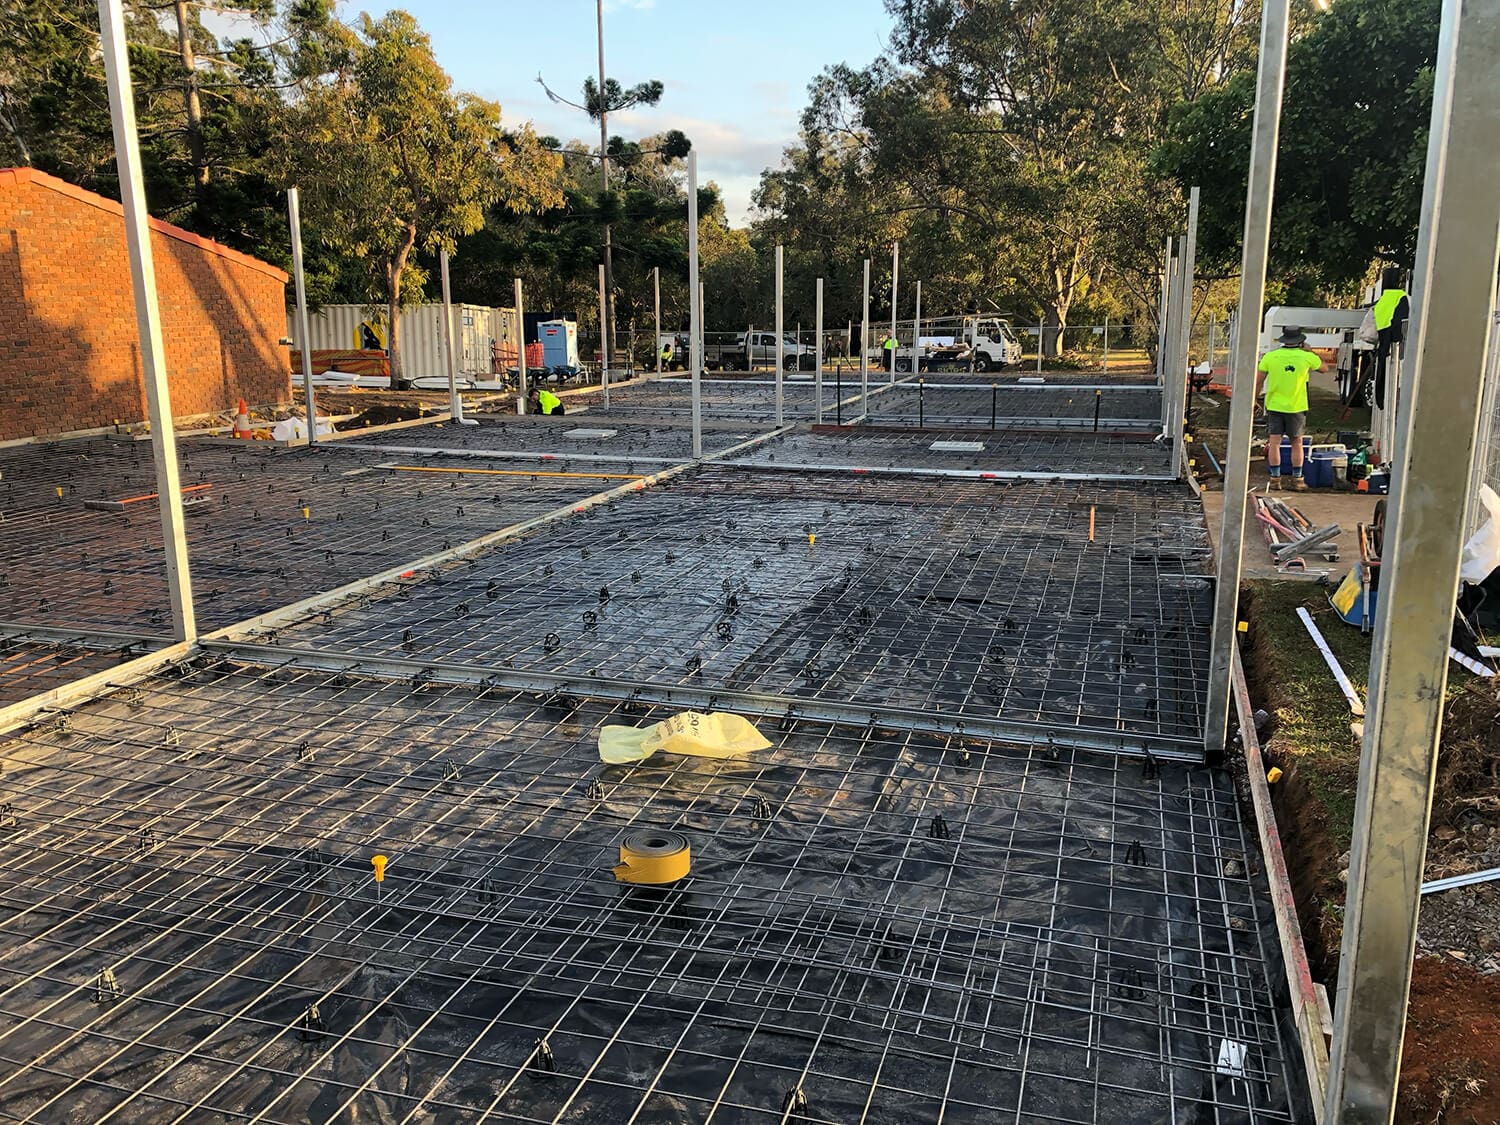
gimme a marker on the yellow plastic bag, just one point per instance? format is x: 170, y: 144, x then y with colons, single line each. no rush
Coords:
x: 716, y: 735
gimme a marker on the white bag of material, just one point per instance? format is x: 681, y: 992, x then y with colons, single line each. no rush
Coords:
x: 295, y: 429
x: 1482, y: 552
x: 1368, y: 333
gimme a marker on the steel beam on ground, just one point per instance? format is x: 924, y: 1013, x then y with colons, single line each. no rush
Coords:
x: 1184, y: 334
x: 1259, y: 193
x: 695, y: 306
x: 1457, y: 254
x: 148, y: 317
x: 304, y: 333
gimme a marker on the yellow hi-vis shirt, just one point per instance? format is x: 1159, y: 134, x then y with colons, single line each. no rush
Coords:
x: 1287, y: 370
x: 1385, y: 307
x: 548, y: 401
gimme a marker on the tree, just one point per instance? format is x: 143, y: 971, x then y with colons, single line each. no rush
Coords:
x: 1353, y: 139
x: 393, y: 160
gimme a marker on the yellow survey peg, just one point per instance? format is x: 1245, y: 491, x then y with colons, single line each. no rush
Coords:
x: 378, y: 862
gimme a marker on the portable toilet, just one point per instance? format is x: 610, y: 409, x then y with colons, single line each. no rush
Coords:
x: 559, y: 340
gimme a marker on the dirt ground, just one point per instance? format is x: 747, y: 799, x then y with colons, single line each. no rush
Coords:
x: 1451, y: 1067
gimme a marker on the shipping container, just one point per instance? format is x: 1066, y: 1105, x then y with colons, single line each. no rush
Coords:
x: 477, y: 329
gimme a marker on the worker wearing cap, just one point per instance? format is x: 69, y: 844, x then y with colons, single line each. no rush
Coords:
x: 1286, y: 370
x: 545, y: 402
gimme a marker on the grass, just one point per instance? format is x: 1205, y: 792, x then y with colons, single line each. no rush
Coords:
x: 1324, y: 414
x: 1312, y: 717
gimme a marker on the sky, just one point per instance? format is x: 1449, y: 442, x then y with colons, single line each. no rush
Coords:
x: 736, y: 73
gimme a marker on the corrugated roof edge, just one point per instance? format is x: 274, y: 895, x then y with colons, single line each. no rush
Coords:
x: 23, y: 176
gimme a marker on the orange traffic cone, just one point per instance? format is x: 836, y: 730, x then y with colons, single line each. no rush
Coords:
x: 242, y: 421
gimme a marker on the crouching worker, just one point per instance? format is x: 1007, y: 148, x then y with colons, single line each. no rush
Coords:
x: 545, y: 402
x: 1286, y: 370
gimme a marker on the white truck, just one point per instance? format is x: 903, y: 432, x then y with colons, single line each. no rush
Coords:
x: 990, y: 344
x: 728, y: 353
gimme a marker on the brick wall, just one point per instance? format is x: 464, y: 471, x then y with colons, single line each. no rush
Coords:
x: 69, y: 352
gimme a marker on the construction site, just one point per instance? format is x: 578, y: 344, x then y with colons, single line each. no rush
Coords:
x: 877, y: 738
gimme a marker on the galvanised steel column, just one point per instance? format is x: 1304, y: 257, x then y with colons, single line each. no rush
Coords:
x: 520, y: 349
x: 895, y: 275
x: 818, y: 354
x: 695, y: 305
x: 864, y: 347
x: 304, y: 331
x: 780, y: 357
x: 656, y: 304
x: 148, y: 317
x: 1259, y: 193
x: 1184, y: 333
x: 1458, y: 251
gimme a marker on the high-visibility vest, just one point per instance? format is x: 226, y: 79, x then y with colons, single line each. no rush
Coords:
x: 1385, y: 308
x: 890, y: 344
x: 548, y: 400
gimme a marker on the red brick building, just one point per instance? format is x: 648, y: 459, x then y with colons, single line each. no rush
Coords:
x: 69, y: 351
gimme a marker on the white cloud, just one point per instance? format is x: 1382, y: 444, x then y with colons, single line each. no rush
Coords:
x: 728, y: 155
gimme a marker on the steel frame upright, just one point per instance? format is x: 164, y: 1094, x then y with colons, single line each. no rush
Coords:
x: 1458, y: 251
x: 1184, y: 328
x: 1259, y: 193
x: 695, y: 305
x: 148, y: 317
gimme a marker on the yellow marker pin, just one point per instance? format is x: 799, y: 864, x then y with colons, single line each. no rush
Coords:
x: 307, y: 513
x: 378, y: 862
x: 1243, y: 626
x: 59, y: 493
x: 1273, y: 775
x: 811, y: 540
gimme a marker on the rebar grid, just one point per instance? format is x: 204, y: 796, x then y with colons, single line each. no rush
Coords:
x: 878, y: 927
x: 742, y: 399
x: 252, y: 545
x: 966, y: 450
x: 583, y: 437
x: 937, y: 401
x: 30, y: 664
x: 968, y: 598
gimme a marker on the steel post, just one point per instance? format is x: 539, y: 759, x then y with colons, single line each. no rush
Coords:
x: 695, y: 305
x: 1184, y: 332
x: 818, y: 354
x: 895, y: 276
x: 148, y: 317
x: 1458, y: 249
x: 1259, y: 193
x: 864, y: 345
x: 656, y: 304
x: 780, y: 349
x: 603, y: 340
x: 1106, y: 343
x: 304, y: 331
x: 520, y: 350
x: 1161, y: 312
x: 455, y: 403
x: 916, y: 333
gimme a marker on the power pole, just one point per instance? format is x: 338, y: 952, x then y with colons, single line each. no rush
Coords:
x: 607, y: 328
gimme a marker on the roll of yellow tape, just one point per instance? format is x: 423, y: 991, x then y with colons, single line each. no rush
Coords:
x: 653, y: 856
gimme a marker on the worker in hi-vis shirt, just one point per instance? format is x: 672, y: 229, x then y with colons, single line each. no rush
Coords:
x: 1284, y: 371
